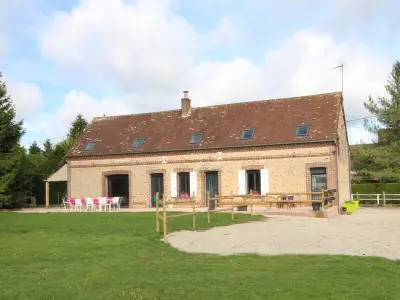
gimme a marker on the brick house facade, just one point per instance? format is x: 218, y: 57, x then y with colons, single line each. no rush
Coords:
x: 177, y: 151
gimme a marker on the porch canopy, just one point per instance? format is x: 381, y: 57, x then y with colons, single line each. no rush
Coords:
x: 59, y: 175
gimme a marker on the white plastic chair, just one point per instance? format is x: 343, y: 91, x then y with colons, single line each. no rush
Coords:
x: 89, y: 204
x: 102, y: 203
x: 64, y: 203
x: 116, y: 202
x: 78, y: 204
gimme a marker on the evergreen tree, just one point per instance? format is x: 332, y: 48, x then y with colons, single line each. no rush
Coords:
x: 34, y: 149
x: 387, y: 109
x: 14, y: 168
x: 77, y: 127
x: 381, y: 161
x: 48, y: 148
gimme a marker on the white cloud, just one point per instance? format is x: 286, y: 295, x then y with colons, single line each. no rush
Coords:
x: 74, y: 103
x: 360, y: 136
x: 359, y: 8
x: 153, y: 53
x: 27, y: 98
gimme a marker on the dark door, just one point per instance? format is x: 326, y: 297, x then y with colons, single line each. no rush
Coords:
x: 118, y: 186
x: 318, y: 182
x: 157, y: 186
x: 212, y: 186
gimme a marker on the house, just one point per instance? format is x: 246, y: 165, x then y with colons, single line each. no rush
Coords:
x: 285, y: 145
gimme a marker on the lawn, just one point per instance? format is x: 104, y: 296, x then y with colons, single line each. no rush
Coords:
x: 120, y: 256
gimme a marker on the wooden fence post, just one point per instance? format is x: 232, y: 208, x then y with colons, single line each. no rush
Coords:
x: 208, y: 205
x: 384, y: 198
x: 377, y: 198
x: 194, y: 212
x: 47, y: 194
x: 165, y: 221
x: 157, y: 213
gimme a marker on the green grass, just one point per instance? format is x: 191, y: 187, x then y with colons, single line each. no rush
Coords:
x: 120, y: 256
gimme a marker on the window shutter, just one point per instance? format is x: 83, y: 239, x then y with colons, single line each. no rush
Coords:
x: 264, y: 181
x: 174, y: 185
x: 242, y: 182
x: 193, y: 184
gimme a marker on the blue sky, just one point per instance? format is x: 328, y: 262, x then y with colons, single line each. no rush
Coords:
x: 64, y: 57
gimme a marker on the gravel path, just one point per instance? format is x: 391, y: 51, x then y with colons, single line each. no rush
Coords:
x: 367, y: 232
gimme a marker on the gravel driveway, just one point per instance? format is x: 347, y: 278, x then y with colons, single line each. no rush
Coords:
x: 368, y: 231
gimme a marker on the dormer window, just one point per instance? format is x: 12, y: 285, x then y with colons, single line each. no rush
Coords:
x: 196, y: 138
x: 247, y: 134
x: 303, y: 130
x: 138, y: 142
x: 90, y: 146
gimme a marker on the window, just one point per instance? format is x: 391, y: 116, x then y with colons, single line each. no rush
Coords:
x: 138, y: 142
x: 90, y: 146
x: 247, y: 134
x: 318, y: 183
x: 303, y: 130
x: 196, y: 138
x: 253, y: 181
x: 184, y: 184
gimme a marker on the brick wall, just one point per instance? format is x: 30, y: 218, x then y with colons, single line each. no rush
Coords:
x: 344, y: 164
x: 288, y: 170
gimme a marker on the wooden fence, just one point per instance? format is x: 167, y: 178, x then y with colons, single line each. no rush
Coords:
x: 230, y: 202
x: 377, y: 199
x: 165, y: 217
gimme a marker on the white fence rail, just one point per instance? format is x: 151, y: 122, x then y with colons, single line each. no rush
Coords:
x: 378, y: 199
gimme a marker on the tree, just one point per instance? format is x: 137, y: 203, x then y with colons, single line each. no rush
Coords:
x: 77, y: 127
x: 34, y: 149
x: 375, y: 162
x: 48, y: 148
x: 387, y: 109
x: 381, y: 161
x: 14, y: 170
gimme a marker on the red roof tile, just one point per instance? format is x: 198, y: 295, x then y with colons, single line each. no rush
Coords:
x: 274, y: 121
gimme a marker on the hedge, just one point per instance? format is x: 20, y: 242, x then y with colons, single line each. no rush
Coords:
x: 376, y: 188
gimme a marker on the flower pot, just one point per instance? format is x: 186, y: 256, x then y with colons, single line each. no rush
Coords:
x: 351, y: 206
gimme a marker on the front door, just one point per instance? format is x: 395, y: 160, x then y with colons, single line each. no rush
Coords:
x: 118, y: 186
x: 318, y: 183
x: 157, y: 186
x: 212, y: 186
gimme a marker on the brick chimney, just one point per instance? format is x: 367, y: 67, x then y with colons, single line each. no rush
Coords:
x: 185, y: 101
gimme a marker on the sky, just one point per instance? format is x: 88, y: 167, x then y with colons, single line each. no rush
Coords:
x: 109, y: 57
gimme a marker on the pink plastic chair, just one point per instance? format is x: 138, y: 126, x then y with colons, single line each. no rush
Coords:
x: 96, y: 203
x: 72, y: 204
x: 83, y: 204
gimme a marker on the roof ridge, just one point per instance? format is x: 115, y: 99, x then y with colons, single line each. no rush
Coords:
x: 95, y: 119
x: 267, y: 100
x: 137, y: 114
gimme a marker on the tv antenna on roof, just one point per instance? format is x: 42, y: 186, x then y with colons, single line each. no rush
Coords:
x: 342, y: 67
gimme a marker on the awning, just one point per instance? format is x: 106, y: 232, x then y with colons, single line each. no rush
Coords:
x: 59, y: 175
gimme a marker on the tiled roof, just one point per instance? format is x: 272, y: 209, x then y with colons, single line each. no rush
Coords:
x: 274, y: 122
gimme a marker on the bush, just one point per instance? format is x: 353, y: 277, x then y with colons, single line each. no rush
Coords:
x: 376, y: 188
